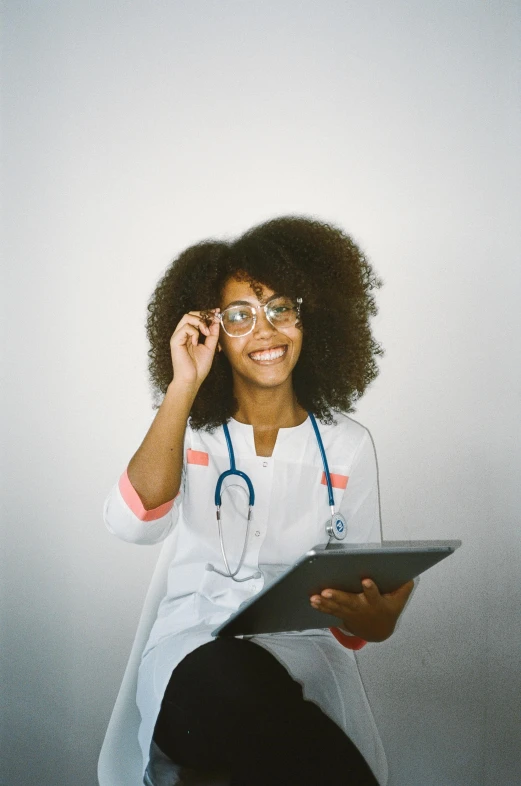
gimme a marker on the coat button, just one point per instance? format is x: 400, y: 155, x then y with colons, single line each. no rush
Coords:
x: 257, y: 534
x: 264, y: 463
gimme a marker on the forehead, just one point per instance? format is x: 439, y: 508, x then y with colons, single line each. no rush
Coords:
x: 242, y: 290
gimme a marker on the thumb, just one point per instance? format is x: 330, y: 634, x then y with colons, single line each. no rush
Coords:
x: 212, y: 340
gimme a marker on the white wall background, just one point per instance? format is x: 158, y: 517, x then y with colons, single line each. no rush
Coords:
x: 133, y: 129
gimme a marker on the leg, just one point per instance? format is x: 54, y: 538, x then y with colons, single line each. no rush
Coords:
x: 231, y: 703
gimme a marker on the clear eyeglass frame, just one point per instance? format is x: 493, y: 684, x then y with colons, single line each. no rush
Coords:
x: 266, y: 308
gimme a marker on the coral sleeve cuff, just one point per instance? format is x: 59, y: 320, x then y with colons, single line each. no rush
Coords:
x: 132, y: 500
x: 350, y: 642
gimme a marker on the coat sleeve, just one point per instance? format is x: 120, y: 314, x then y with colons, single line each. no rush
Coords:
x: 361, y: 506
x: 126, y: 517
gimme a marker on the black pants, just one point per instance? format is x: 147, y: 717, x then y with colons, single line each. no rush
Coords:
x: 231, y: 704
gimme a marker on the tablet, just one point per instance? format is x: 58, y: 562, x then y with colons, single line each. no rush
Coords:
x: 284, y: 605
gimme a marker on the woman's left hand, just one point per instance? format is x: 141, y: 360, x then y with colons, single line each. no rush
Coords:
x: 367, y: 614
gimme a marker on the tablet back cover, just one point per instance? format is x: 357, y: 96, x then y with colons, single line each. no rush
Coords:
x: 284, y: 604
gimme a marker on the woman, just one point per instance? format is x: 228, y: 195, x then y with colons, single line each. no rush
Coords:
x: 258, y: 336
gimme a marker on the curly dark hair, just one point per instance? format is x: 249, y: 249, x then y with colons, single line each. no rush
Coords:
x: 297, y: 256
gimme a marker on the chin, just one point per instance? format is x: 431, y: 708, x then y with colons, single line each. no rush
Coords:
x: 267, y: 380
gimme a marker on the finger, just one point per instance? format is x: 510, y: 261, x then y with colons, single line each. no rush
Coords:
x: 210, y: 313
x: 401, y: 593
x: 208, y: 316
x: 407, y: 588
x: 321, y: 606
x: 188, y: 334
x: 371, y: 591
x: 202, y: 322
x: 216, y: 323
x: 335, y: 601
x: 213, y: 325
x: 192, y: 318
x: 204, y: 313
x: 211, y: 341
x: 188, y: 324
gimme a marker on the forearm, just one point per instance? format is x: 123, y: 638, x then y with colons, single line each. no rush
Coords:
x: 155, y: 469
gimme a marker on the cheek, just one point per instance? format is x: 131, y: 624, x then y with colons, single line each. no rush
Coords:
x: 232, y: 348
x: 297, y: 344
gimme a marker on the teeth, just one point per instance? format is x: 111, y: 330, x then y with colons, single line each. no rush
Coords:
x: 270, y: 355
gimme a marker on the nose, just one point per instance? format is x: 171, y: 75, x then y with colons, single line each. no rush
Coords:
x: 263, y: 326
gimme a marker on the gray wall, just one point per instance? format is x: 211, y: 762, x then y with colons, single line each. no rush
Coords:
x: 133, y: 129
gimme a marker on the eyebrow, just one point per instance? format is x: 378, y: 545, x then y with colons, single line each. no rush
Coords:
x: 248, y: 303
x: 238, y: 303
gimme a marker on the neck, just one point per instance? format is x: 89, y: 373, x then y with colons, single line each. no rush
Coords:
x: 269, y: 408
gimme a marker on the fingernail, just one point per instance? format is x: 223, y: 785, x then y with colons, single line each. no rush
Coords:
x: 367, y: 583
x: 327, y: 594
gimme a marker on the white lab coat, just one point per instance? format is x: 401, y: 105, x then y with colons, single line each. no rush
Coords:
x: 291, y: 508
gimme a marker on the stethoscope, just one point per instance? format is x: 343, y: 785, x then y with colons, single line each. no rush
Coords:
x: 335, y: 526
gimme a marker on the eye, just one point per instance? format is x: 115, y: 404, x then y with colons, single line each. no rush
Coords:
x: 238, y: 316
x: 282, y: 309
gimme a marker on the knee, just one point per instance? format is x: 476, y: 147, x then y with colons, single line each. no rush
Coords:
x: 237, y: 671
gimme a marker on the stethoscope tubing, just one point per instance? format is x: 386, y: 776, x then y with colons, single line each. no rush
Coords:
x: 324, y: 461
x: 233, y: 471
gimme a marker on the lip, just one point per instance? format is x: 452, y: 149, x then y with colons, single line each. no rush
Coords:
x: 269, y: 349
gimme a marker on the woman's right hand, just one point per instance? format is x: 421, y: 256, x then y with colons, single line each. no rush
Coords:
x: 190, y: 359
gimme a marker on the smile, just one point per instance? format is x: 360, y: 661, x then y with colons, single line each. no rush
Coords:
x: 269, y: 355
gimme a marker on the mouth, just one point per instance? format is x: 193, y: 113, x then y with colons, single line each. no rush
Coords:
x: 271, y: 355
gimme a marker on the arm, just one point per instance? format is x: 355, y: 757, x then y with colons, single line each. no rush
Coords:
x: 139, y: 509
x: 144, y: 505
x: 368, y: 615
x: 155, y: 469
x: 360, y: 507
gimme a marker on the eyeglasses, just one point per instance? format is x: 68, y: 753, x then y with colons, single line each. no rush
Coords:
x: 239, y: 320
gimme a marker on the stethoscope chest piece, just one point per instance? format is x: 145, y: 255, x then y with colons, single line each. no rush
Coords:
x: 336, y: 527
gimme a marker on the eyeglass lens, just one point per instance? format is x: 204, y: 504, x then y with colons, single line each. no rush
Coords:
x: 238, y: 320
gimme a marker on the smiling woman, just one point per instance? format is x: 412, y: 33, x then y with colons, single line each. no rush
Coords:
x: 295, y: 257
x: 252, y: 342
x: 264, y: 353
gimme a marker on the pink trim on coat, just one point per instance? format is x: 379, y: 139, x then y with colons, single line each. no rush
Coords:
x: 337, y: 481
x: 131, y: 498
x: 197, y: 457
x: 350, y: 642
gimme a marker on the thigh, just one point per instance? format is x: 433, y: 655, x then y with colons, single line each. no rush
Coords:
x: 231, y: 703
x: 232, y: 671
x: 215, y: 694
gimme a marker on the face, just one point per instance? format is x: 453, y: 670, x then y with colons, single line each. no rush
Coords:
x: 267, y: 356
